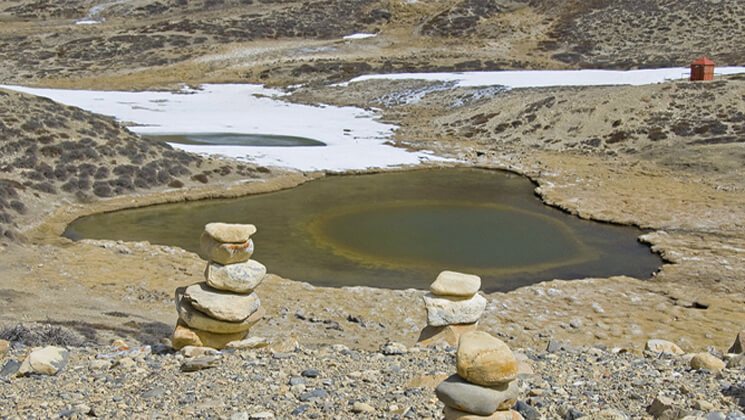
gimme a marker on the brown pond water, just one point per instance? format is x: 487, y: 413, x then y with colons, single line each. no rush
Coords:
x: 398, y: 230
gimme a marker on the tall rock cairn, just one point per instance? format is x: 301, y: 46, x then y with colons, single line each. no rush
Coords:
x: 485, y: 386
x: 224, y: 307
x: 454, y: 307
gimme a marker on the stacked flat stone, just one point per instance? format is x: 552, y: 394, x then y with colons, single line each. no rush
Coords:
x: 485, y: 386
x: 454, y: 307
x: 224, y: 307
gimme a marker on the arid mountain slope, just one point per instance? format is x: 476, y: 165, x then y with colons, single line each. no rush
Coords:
x: 52, y: 154
x: 300, y: 41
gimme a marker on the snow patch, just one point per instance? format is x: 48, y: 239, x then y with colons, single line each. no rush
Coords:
x: 353, y: 138
x: 548, y: 78
x: 360, y: 35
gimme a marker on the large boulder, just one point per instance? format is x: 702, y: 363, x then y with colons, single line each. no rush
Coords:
x: 707, y: 361
x: 451, y: 283
x: 226, y: 253
x: 457, y: 393
x: 238, y: 278
x: 184, y: 336
x: 229, y: 232
x: 485, y: 360
x: 222, y: 305
x: 443, y: 311
x: 48, y: 360
x: 198, y: 320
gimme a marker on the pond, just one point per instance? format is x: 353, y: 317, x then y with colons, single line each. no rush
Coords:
x: 398, y: 230
x: 235, y: 139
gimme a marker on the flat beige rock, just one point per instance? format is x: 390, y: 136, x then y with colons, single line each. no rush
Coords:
x: 451, y: 283
x: 184, y: 336
x: 222, y: 305
x: 226, y: 253
x: 228, y: 232
x: 200, y: 321
x: 485, y: 360
x: 238, y: 278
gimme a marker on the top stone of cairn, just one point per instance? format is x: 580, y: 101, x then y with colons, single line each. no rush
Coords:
x: 451, y: 283
x: 231, y: 233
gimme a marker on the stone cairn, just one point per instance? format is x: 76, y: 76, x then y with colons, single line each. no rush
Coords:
x: 224, y: 307
x: 454, y: 307
x: 485, y: 386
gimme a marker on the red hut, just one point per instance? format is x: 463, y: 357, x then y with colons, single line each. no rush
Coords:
x: 702, y: 69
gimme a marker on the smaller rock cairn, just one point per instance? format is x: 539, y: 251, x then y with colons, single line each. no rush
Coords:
x: 485, y: 386
x: 454, y: 307
x: 224, y: 307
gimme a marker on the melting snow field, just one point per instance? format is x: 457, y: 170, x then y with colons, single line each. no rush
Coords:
x: 353, y: 138
x: 547, y: 78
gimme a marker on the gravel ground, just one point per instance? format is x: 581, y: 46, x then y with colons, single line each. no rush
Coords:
x: 337, y: 382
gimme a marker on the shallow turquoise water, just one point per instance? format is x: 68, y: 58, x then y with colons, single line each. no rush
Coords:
x: 398, y: 230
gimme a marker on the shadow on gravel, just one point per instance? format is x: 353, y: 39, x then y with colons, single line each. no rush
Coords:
x: 78, y: 333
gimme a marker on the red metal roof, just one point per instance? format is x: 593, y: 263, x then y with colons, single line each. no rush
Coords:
x: 703, y: 61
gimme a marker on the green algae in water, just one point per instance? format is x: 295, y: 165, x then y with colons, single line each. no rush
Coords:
x: 235, y: 139
x: 398, y: 230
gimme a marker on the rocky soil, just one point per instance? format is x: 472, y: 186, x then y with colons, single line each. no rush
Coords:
x: 288, y: 379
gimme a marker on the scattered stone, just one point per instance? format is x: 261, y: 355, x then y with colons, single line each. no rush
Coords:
x: 285, y: 345
x: 249, y: 343
x: 663, y: 346
x: 4, y: 347
x: 485, y: 360
x: 229, y: 232
x: 451, y: 283
x: 194, y: 351
x: 736, y: 362
x: 660, y: 405
x: 316, y: 394
x: 310, y: 373
x: 555, y: 345
x: 261, y: 415
x: 707, y: 361
x: 100, y: 364
x: 608, y: 414
x: 221, y: 305
x: 443, y: 311
x: 448, y: 334
x: 199, y: 363
x: 393, y: 348
x: 456, y: 393
x: 226, y: 253
x: 238, y: 278
x: 527, y: 411
x: 738, y: 347
x: 48, y: 360
x: 362, y: 408
x: 10, y: 367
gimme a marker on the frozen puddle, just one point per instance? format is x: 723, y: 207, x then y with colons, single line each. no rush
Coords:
x: 353, y: 138
x: 548, y: 78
